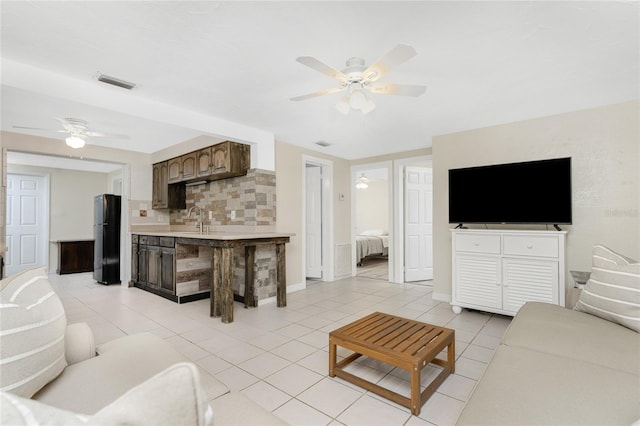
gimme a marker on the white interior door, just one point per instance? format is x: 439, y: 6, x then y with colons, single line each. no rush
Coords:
x: 26, y: 222
x: 418, y: 224
x: 313, y: 209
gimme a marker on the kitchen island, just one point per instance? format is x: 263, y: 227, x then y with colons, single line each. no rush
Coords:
x: 186, y: 266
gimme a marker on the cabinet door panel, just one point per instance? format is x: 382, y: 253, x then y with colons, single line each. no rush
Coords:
x: 188, y: 166
x: 204, y: 162
x: 478, y: 281
x: 220, y: 154
x: 529, y: 281
x: 134, y: 262
x: 167, y: 270
x: 174, y: 170
x: 160, y: 186
x: 143, y: 264
x: 153, y: 277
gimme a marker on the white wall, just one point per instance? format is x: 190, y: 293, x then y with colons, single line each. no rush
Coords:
x: 604, y: 144
x: 372, y: 206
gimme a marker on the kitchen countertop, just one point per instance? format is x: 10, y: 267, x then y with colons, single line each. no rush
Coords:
x: 217, y: 235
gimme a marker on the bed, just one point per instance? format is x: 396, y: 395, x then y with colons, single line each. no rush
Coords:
x: 371, y: 243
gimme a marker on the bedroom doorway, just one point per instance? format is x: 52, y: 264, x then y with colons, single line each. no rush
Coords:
x: 371, y: 218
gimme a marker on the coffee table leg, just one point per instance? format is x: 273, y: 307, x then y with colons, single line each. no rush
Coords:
x: 415, y: 391
x: 451, y: 355
x: 332, y: 358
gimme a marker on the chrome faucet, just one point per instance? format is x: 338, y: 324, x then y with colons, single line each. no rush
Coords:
x: 199, y: 222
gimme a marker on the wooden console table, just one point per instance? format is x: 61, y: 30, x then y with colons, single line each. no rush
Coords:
x: 403, y: 343
x: 75, y: 256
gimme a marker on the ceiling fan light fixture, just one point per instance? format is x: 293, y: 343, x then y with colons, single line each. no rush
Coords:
x: 368, y: 106
x: 358, y: 99
x: 343, y: 105
x: 362, y: 182
x: 75, y: 142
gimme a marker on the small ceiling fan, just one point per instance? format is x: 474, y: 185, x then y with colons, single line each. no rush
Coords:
x: 359, y: 81
x: 78, y: 130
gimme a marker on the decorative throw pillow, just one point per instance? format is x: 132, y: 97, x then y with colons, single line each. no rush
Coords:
x: 613, y: 290
x: 177, y: 398
x: 18, y: 411
x: 32, y: 328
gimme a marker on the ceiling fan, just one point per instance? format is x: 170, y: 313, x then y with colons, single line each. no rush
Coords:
x: 359, y: 81
x: 78, y: 130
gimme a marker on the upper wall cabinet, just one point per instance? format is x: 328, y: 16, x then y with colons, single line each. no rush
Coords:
x: 220, y: 161
x: 165, y: 195
x: 229, y: 159
x: 188, y: 162
x: 203, y: 162
x: 174, y: 170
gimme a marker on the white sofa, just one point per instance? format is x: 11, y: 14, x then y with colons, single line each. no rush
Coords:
x: 558, y: 366
x: 137, y: 379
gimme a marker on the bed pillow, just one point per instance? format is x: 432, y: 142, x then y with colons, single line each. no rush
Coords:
x: 32, y: 330
x: 613, y: 290
x: 177, y: 398
x: 373, y: 233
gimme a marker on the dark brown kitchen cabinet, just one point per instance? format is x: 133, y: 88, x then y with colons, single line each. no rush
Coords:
x: 188, y: 162
x: 75, y: 256
x: 229, y: 159
x: 166, y: 195
x: 153, y: 264
x: 135, y: 255
x: 167, y: 269
x: 160, y: 186
x: 204, y: 162
x: 174, y: 170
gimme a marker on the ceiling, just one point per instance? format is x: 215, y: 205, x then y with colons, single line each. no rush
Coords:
x: 197, y: 63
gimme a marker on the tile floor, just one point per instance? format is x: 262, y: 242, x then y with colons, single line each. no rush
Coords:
x: 278, y: 356
x: 374, y: 267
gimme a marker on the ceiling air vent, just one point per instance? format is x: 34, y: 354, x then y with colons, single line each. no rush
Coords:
x: 116, y: 82
x: 323, y: 143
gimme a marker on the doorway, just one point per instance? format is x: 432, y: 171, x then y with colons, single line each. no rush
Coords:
x: 317, y: 218
x: 371, y: 218
x: 413, y: 206
x: 27, y: 225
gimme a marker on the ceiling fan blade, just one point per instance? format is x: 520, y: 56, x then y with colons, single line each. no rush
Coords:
x: 319, y: 93
x: 39, y: 128
x: 325, y: 69
x: 397, y: 89
x: 105, y: 135
x: 396, y: 56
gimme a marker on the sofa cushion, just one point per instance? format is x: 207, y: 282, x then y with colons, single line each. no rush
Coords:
x: 613, y: 290
x: 148, y: 403
x: 32, y: 330
x: 525, y: 387
x: 545, y: 327
x: 173, y: 396
x: 90, y: 385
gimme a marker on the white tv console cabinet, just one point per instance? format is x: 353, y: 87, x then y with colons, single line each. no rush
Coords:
x: 500, y: 270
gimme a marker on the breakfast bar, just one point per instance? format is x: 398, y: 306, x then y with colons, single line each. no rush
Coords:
x: 220, y: 274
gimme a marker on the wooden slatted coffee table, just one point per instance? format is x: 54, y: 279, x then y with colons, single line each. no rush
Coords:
x: 401, y: 342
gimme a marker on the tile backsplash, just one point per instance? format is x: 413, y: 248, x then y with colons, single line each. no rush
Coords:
x: 248, y: 200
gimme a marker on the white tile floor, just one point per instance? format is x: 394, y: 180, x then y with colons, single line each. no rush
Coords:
x: 278, y: 356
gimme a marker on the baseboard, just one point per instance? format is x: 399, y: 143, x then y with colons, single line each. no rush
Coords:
x: 441, y: 297
x: 290, y: 289
x: 339, y: 277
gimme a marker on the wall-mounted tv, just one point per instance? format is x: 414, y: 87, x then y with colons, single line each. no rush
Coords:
x: 532, y: 192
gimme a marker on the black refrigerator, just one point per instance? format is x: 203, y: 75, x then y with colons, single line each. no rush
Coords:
x: 106, y: 232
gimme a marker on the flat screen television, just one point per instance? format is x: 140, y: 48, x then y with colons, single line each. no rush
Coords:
x: 532, y: 192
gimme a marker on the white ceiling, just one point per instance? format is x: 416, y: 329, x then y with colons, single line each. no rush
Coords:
x: 484, y: 63
x: 37, y: 160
